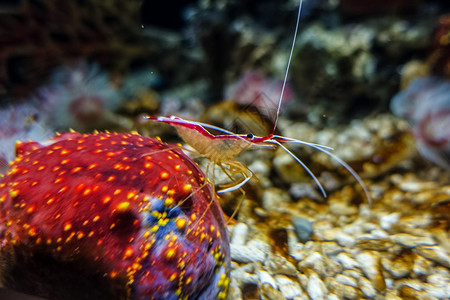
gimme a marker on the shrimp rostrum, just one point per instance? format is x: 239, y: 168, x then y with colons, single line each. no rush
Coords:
x: 223, y: 149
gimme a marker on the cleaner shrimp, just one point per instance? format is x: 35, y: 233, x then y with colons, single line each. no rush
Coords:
x: 222, y: 149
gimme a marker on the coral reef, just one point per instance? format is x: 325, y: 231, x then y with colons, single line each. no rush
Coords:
x: 110, y: 215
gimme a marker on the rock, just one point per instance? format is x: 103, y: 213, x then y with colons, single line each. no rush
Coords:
x: 288, y: 287
x: 266, y: 278
x: 434, y: 253
x: 366, y: 287
x: 411, y: 241
x: 387, y: 221
x: 316, y: 289
x: 346, y: 261
x: 370, y: 265
x: 246, y: 254
x: 302, y: 228
x: 240, y: 232
x: 314, y: 261
x: 346, y: 280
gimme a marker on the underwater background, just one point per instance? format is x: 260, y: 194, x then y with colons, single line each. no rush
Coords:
x: 370, y: 79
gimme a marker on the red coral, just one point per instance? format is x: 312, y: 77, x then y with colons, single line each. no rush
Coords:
x: 118, y: 215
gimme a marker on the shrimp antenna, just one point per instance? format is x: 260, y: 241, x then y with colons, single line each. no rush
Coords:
x: 288, y: 65
x: 322, y: 190
x: 325, y: 150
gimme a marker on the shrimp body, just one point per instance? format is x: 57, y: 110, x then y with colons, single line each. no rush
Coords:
x: 218, y: 149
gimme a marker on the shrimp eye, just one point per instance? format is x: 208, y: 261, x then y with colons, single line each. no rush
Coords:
x: 250, y: 136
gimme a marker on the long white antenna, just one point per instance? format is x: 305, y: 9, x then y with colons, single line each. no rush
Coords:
x: 288, y: 65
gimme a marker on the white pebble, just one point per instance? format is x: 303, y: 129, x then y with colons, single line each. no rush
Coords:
x: 316, y: 288
x: 387, y: 221
x: 412, y: 241
x: 345, y: 240
x: 240, y: 233
x: 346, y: 280
x: 246, y: 254
x: 265, y: 277
x: 287, y: 287
x: 346, y: 261
x: 366, y: 287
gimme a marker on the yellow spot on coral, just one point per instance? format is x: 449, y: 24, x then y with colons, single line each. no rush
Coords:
x: 58, y: 180
x: 180, y: 223
x: 170, y: 253
x: 41, y: 168
x: 164, y: 188
x: 148, y: 165
x: 67, y: 227
x: 187, y: 188
x: 64, y: 152
x: 80, y: 235
x: 106, y: 199
x: 87, y: 192
x: 173, y: 277
x: 110, y: 178
x: 168, y: 202
x: 30, y: 209
x: 14, y: 193
x: 117, y: 192
x: 76, y: 169
x: 96, y: 218
x: 63, y: 189
x: 177, y: 167
x: 91, y: 166
x: 164, y: 175
x: 50, y: 201
x: 128, y: 253
x: 32, y: 232
x: 123, y: 206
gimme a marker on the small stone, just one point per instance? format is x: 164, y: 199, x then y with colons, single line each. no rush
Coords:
x: 332, y: 297
x: 331, y: 248
x: 387, y: 221
x: 268, y: 292
x: 346, y: 280
x: 246, y: 254
x: 316, y: 288
x: 434, y: 253
x: 240, y: 232
x: 399, y: 267
x: 345, y: 240
x: 438, y: 286
x: 277, y: 264
x: 370, y: 265
x: 346, y: 261
x: 302, y: 228
x: 315, y: 261
x: 366, y: 287
x: 265, y: 278
x: 244, y: 277
x: 274, y: 199
x: 411, y: 241
x: 422, y: 266
x: 234, y: 291
x: 288, y: 287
